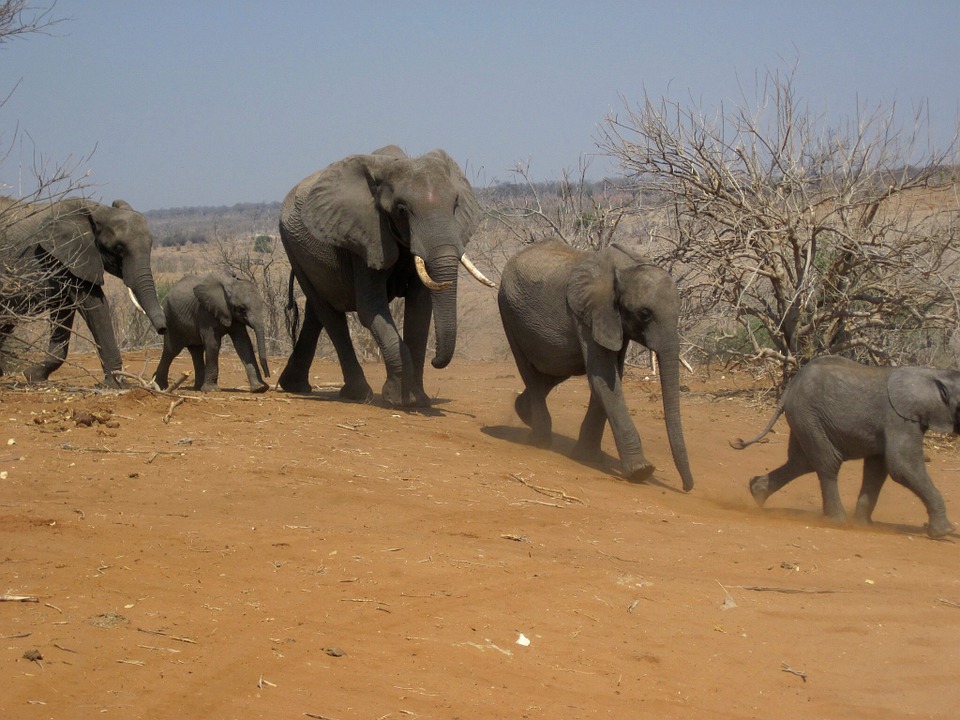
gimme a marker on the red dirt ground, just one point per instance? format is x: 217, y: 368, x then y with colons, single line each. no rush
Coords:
x: 280, y: 556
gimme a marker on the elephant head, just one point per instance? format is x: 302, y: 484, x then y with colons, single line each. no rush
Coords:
x: 386, y: 207
x: 235, y: 301
x: 620, y: 296
x: 88, y: 238
x: 927, y: 396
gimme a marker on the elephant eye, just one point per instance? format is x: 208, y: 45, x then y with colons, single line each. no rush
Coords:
x: 402, y: 210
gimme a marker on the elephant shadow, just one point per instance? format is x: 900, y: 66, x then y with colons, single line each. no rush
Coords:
x: 811, y: 517
x: 563, y: 445
x: 332, y: 394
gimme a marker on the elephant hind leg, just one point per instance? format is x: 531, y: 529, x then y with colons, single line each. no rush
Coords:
x: 763, y: 486
x: 62, y: 321
x: 874, y: 475
x: 295, y: 377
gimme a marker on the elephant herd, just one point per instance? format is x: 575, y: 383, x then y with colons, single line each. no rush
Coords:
x: 371, y: 228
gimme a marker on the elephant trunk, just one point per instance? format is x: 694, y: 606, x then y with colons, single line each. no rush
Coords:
x: 139, y: 279
x: 443, y: 270
x: 261, y: 347
x: 669, y: 359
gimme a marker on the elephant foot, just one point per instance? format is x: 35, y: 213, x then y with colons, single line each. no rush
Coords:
x: 760, y: 489
x: 939, y: 527
x: 394, y: 395
x: 209, y: 387
x: 639, y: 472
x: 37, y: 373
x: 295, y: 383
x: 522, y: 405
x: 261, y: 388
x: 356, y: 392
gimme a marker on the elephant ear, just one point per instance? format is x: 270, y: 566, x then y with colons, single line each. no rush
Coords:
x: 338, y: 205
x: 468, y: 213
x: 592, y: 297
x: 69, y: 236
x: 213, y: 298
x: 925, y: 396
x: 393, y: 151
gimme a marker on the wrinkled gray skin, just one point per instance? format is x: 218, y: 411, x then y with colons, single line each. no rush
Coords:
x: 69, y: 244
x: 351, y: 232
x: 569, y: 313
x: 840, y: 410
x: 199, y: 312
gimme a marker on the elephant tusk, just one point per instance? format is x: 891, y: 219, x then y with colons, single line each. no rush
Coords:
x: 425, y: 276
x: 473, y: 270
x: 135, y: 303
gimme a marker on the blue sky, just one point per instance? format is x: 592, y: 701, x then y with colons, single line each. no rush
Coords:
x: 210, y: 102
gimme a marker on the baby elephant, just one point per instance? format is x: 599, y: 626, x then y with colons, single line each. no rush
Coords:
x: 568, y: 313
x: 840, y: 410
x: 199, y: 312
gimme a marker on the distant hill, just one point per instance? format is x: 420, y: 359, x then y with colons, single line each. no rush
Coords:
x: 199, y: 225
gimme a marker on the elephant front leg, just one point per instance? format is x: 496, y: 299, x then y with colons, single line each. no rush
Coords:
x: 62, y: 322
x: 603, y: 373
x: 906, y: 465
x: 373, y: 309
x: 211, y: 364
x: 417, y: 310
x: 96, y: 313
x: 244, y: 348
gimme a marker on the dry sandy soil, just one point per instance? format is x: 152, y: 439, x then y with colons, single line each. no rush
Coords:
x: 281, y: 556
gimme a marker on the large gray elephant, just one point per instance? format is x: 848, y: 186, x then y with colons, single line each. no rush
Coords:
x: 365, y: 230
x: 841, y: 410
x: 58, y: 253
x: 566, y: 313
x: 199, y: 312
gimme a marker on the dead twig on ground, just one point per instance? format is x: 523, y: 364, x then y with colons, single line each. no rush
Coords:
x: 788, y: 591
x: 18, y: 598
x: 549, y: 492
x: 949, y: 603
x: 799, y: 673
x: 173, y: 406
x: 167, y: 635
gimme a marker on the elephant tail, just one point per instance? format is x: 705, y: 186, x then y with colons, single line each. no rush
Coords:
x: 740, y: 444
x: 292, y: 312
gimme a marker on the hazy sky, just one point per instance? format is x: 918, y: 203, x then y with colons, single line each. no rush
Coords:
x: 206, y: 102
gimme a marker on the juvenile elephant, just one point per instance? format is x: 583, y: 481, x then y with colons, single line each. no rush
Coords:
x: 365, y: 230
x: 199, y: 312
x: 840, y: 410
x: 569, y: 313
x: 53, y: 257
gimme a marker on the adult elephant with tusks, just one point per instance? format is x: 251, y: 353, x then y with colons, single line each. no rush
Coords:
x: 55, y: 255
x: 567, y: 312
x: 365, y: 230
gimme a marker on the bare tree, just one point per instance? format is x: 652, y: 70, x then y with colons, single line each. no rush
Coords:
x: 808, y: 239
x: 584, y: 214
x: 21, y: 17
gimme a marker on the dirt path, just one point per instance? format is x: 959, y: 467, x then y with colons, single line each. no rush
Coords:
x: 282, y: 556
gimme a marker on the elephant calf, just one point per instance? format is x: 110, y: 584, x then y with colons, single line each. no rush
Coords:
x: 840, y: 410
x: 199, y: 312
x: 566, y: 313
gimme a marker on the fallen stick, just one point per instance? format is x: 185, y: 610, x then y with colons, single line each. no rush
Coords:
x: 167, y: 635
x: 173, y: 405
x: 788, y: 591
x: 19, y: 598
x: 549, y: 492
